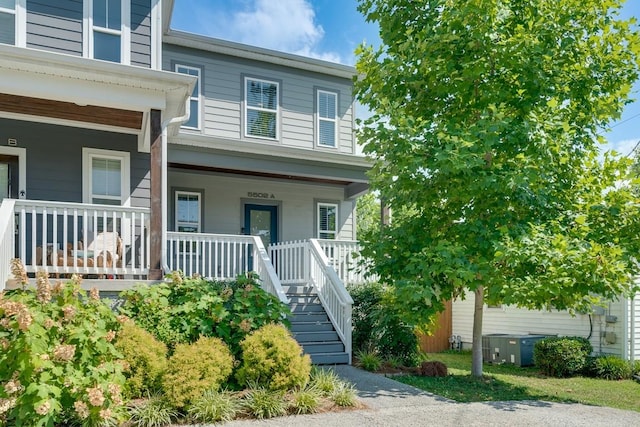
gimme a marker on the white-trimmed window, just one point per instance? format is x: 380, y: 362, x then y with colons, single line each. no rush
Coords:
x: 261, y: 108
x: 327, y: 221
x: 108, y: 34
x: 327, y: 122
x: 106, y: 176
x: 13, y: 22
x: 188, y: 207
x: 194, y: 118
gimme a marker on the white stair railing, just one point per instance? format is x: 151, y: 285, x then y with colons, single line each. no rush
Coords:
x: 222, y: 256
x: 344, y: 256
x: 332, y: 293
x: 7, y: 247
x: 289, y: 260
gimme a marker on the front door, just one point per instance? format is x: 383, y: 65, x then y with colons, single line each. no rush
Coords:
x: 8, y: 177
x: 262, y: 220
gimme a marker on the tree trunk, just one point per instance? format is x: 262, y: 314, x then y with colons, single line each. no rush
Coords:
x: 476, y: 352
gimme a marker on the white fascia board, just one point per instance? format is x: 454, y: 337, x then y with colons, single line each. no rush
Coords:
x: 357, y: 161
x: 41, y: 68
x: 210, y: 44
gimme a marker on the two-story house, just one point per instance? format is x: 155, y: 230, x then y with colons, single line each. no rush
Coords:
x: 128, y: 150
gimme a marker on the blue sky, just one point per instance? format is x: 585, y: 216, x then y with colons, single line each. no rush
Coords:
x: 330, y: 30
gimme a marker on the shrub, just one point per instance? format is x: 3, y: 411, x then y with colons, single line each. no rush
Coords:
x: 146, y: 360
x: 344, y: 395
x: 185, y: 309
x: 194, y: 368
x: 325, y: 380
x: 635, y: 367
x: 214, y: 406
x: 273, y: 359
x: 57, y: 360
x: 261, y: 403
x: 561, y: 356
x: 610, y: 368
x: 377, y: 325
x: 305, y: 400
x: 155, y: 412
x: 368, y: 360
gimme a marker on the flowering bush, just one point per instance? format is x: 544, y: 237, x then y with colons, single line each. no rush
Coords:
x: 185, y: 309
x: 57, y: 362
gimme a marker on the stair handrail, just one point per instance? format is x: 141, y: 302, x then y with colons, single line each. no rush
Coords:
x: 7, y: 248
x: 267, y: 273
x: 332, y: 293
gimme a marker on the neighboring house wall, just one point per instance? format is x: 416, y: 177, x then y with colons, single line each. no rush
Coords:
x: 224, y: 196
x: 54, y: 159
x: 58, y: 27
x: 634, y: 327
x: 512, y: 320
x: 223, y: 93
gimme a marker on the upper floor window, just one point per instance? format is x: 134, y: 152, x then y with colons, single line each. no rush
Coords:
x: 109, y: 29
x: 8, y: 21
x: 326, y: 118
x: 327, y: 221
x: 194, y: 117
x: 261, y: 108
x: 106, y: 176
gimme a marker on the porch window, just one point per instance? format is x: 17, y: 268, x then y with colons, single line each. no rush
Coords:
x: 194, y: 118
x: 187, y: 212
x: 326, y: 118
x: 327, y: 221
x: 261, y: 108
x: 109, y: 34
x: 106, y: 177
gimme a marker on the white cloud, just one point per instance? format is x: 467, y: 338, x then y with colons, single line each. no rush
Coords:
x: 623, y: 147
x: 284, y: 25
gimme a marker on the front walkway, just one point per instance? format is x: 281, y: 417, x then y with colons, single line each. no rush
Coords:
x: 391, y: 403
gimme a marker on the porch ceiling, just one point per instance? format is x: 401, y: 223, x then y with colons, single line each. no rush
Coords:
x: 71, y: 111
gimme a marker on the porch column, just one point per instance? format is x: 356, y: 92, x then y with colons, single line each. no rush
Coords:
x: 155, y: 231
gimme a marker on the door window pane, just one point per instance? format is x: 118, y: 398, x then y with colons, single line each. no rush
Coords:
x: 261, y: 226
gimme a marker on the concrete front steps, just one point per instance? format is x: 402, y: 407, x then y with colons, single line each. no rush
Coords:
x: 312, y: 328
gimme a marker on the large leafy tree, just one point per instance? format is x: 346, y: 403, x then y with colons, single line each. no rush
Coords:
x: 484, y: 140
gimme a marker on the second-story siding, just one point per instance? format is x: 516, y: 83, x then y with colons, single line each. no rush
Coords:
x: 141, y: 33
x: 223, y: 93
x: 55, y: 26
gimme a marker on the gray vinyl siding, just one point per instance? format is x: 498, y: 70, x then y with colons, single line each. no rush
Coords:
x: 54, y: 159
x: 223, y: 91
x: 141, y: 33
x: 224, y: 195
x: 55, y: 27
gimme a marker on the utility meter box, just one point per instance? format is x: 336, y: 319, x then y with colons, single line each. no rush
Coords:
x: 505, y: 348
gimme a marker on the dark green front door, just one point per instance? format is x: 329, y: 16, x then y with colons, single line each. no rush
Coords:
x: 261, y: 220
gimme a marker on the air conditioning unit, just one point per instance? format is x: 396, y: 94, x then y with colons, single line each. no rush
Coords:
x: 505, y: 348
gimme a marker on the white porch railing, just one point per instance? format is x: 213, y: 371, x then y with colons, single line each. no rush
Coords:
x: 305, y: 262
x: 220, y: 256
x: 6, y: 240
x: 332, y: 293
x: 66, y: 238
x: 344, y: 256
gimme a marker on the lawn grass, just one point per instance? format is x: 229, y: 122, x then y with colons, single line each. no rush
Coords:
x: 508, y: 382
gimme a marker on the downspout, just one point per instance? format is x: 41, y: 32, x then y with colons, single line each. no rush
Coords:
x: 164, y: 204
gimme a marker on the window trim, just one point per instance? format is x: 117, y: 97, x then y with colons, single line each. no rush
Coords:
x: 177, y: 193
x: 246, y: 107
x: 124, y: 32
x: 319, y: 119
x: 198, y: 98
x: 20, y: 15
x: 318, y: 231
x: 88, y: 154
